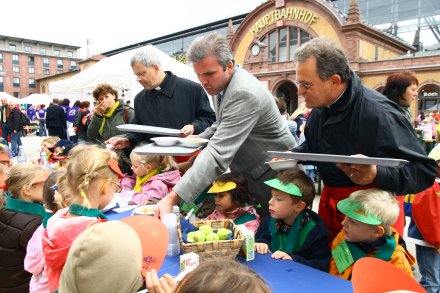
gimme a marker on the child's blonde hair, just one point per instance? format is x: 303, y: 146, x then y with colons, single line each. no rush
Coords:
x: 53, y: 197
x: 222, y: 275
x: 378, y: 203
x: 163, y: 163
x: 50, y: 140
x: 82, y: 170
x: 21, y: 175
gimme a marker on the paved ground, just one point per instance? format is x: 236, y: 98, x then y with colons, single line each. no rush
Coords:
x: 31, y: 144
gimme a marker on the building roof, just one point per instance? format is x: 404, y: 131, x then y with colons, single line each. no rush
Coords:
x: 30, y: 41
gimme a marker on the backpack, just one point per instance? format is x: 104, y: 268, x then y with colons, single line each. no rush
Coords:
x: 24, y: 120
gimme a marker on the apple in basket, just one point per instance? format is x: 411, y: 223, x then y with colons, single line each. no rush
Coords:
x: 205, y: 229
x: 223, y: 233
x: 196, y: 236
x: 212, y: 237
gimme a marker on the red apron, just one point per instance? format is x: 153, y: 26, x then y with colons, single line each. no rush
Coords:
x: 333, y: 218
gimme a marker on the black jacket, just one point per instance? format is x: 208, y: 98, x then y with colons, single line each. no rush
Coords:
x: 179, y: 102
x: 363, y: 121
x: 16, y: 229
x: 14, y: 120
x: 55, y: 117
x: 315, y: 251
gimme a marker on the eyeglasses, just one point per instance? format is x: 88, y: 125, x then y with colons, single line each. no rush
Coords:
x: 118, y: 185
x: 141, y: 74
x: 305, y: 85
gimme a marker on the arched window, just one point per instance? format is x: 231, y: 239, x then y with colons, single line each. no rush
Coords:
x: 282, y: 43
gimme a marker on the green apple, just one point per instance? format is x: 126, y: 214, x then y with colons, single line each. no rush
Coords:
x: 199, y: 236
x: 205, y: 229
x: 212, y: 237
x: 190, y: 236
x: 223, y: 233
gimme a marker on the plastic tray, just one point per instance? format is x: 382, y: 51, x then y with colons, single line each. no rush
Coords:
x: 149, y: 129
x: 339, y: 159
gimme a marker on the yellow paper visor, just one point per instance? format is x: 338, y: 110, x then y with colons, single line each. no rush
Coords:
x: 220, y: 186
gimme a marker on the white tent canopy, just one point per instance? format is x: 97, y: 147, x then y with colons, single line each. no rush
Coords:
x: 9, y: 97
x: 116, y: 71
x: 36, y: 99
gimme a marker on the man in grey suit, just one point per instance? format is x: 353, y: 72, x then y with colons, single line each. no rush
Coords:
x: 248, y: 125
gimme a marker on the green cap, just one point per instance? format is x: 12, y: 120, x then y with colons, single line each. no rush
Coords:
x: 355, y: 211
x: 289, y: 188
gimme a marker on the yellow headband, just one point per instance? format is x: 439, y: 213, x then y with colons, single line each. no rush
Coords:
x: 220, y: 186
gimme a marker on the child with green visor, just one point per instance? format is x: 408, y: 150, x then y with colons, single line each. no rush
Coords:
x: 293, y: 231
x: 366, y: 231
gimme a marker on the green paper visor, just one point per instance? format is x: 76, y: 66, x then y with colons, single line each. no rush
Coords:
x: 354, y: 211
x: 289, y: 188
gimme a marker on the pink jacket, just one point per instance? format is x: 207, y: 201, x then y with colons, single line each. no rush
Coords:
x: 155, y: 188
x: 35, y: 264
x: 61, y: 231
x: 235, y: 214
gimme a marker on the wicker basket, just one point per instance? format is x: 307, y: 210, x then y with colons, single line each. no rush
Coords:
x: 210, y: 249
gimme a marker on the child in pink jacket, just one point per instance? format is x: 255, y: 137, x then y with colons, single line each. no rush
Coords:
x: 154, y: 177
x: 232, y: 201
x: 34, y: 261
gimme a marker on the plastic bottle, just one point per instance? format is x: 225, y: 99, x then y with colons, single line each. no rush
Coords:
x: 170, y: 222
x: 43, y: 159
x: 21, y: 157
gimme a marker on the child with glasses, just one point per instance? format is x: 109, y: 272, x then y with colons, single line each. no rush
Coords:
x: 88, y: 183
x: 21, y: 212
x: 366, y: 231
x: 153, y: 177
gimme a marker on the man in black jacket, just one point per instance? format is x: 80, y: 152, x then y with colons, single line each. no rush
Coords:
x: 348, y: 119
x: 166, y: 101
x: 3, y: 118
x: 56, y: 120
x: 14, y: 127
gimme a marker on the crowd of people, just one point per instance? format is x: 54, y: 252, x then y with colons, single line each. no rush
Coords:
x: 53, y: 231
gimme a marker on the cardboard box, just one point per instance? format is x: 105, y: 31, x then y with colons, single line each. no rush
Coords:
x: 189, y: 261
x: 247, y: 251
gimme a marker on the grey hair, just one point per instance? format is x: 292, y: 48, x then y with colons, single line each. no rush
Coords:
x: 330, y: 59
x: 213, y: 44
x: 147, y: 57
x: 378, y: 203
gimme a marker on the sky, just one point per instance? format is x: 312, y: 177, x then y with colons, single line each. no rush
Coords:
x: 111, y: 24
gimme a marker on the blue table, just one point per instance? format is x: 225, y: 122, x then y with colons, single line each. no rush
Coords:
x: 283, y: 276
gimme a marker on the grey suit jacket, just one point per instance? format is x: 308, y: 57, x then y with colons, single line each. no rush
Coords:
x: 248, y: 125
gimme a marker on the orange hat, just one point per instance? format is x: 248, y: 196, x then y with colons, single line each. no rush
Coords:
x: 391, y: 278
x: 154, y: 239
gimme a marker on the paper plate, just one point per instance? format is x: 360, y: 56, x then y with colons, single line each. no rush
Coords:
x: 282, y: 164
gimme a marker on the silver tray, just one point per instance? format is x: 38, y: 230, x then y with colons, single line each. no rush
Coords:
x: 175, y: 150
x: 149, y: 129
x: 339, y: 159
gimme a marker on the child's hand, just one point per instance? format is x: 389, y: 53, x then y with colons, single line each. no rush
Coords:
x: 262, y: 248
x: 166, y: 284
x: 281, y: 255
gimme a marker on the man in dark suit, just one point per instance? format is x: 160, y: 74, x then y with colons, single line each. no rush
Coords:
x: 56, y: 120
x: 3, y: 119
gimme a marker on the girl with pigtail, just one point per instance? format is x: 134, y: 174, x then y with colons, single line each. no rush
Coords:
x: 153, y: 177
x: 90, y: 185
x: 21, y: 212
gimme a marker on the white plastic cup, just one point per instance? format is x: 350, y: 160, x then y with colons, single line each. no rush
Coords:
x: 173, y: 249
x: 171, y: 223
